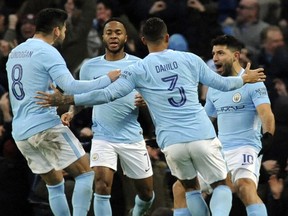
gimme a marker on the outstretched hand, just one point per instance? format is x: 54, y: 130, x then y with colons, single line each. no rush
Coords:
x: 252, y: 76
x: 48, y: 99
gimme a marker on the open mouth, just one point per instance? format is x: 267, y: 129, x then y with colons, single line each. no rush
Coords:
x: 113, y: 44
x: 219, y: 67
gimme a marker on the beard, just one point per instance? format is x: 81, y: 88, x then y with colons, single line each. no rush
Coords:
x: 227, y: 70
x: 58, y: 42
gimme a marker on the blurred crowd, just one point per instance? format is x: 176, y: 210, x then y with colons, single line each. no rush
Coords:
x: 262, y: 25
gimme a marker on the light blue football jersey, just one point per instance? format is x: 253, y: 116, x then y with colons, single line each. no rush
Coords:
x: 168, y: 81
x: 237, y: 118
x: 115, y: 121
x: 31, y: 67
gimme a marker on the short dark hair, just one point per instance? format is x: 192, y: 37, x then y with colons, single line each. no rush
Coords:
x: 265, y: 31
x: 49, y: 18
x: 228, y: 40
x: 116, y: 19
x: 154, y: 29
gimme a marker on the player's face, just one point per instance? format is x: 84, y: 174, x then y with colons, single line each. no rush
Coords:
x: 274, y: 40
x: 114, y: 37
x: 223, y: 59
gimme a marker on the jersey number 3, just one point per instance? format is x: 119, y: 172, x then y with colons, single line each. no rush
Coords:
x: 173, y: 79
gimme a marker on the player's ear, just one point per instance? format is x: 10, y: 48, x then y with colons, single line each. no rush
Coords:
x: 237, y: 55
x: 143, y: 41
x: 57, y: 31
x: 166, y: 38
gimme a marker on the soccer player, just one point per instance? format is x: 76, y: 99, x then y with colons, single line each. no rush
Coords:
x: 48, y: 146
x: 168, y: 81
x: 117, y: 133
x: 239, y: 116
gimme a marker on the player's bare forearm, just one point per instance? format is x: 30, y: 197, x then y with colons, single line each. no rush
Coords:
x: 267, y: 118
x: 55, y: 99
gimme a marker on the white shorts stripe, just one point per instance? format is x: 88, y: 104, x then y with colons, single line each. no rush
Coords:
x: 72, y: 145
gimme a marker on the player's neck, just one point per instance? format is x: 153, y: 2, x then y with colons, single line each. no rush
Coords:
x: 114, y: 56
x: 157, y: 47
x: 236, y: 69
x: 46, y: 39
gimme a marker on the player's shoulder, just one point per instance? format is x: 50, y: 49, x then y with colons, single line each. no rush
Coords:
x: 38, y: 49
x: 132, y: 57
x: 256, y: 85
x: 93, y: 61
x: 184, y: 54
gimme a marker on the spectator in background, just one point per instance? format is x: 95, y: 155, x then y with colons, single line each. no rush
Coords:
x: 271, y: 39
x: 280, y: 86
x: 34, y: 6
x: 201, y: 25
x: 172, y: 12
x: 278, y: 198
x: 283, y: 19
x: 227, y: 14
x: 80, y: 17
x: 273, y: 57
x: 270, y: 11
x: 5, y: 49
x: 19, y: 28
x: 3, y: 23
x: 248, y: 26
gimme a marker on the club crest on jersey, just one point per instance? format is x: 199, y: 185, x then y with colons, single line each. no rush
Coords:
x: 236, y: 97
x: 95, y: 157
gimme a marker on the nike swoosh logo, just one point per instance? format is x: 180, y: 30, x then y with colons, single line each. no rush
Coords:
x: 146, y: 170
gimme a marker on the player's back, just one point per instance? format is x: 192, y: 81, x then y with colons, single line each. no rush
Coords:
x: 29, y: 69
x: 170, y: 87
